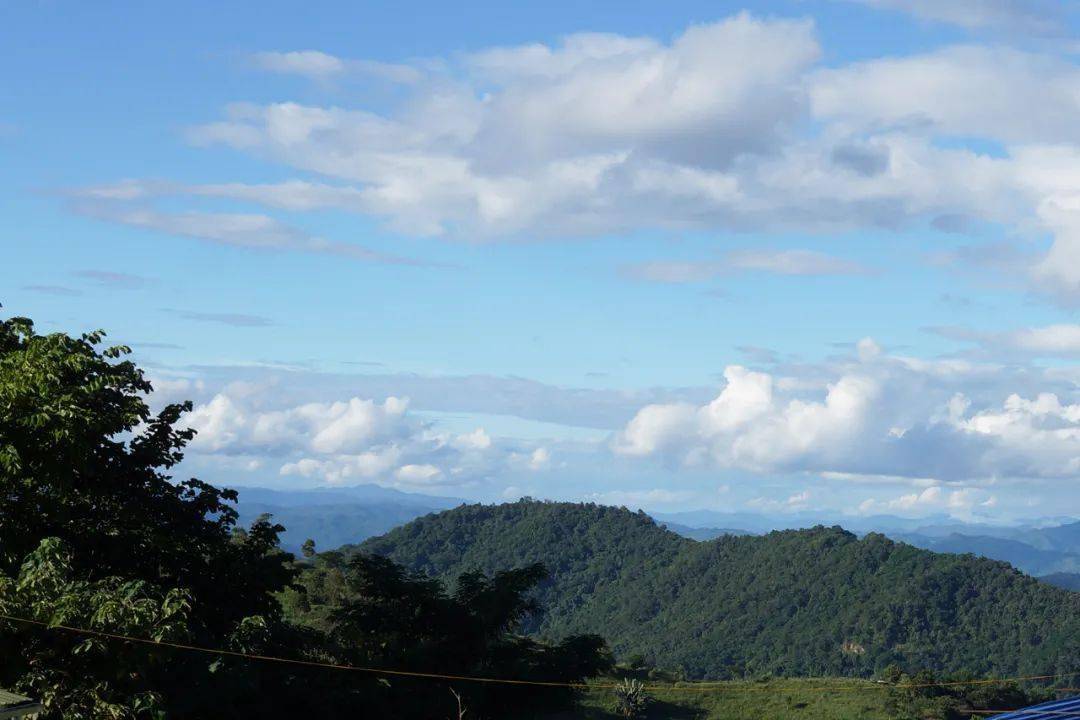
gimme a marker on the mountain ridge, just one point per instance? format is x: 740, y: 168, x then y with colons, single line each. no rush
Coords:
x: 818, y: 601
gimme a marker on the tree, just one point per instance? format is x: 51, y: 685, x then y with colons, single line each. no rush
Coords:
x: 84, y: 467
x: 83, y: 459
x: 85, y: 675
x: 394, y: 619
x: 95, y: 534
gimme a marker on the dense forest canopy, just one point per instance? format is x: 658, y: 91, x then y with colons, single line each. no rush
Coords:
x: 810, y: 602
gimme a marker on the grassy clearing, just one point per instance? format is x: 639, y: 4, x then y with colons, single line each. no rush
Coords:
x: 803, y: 698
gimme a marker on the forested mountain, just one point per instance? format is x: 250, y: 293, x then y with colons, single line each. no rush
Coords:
x: 819, y: 601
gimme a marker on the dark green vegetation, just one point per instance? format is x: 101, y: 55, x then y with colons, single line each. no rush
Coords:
x: 811, y: 602
x: 95, y: 534
x: 813, y: 699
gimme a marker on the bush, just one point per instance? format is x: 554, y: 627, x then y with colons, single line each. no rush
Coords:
x: 631, y: 700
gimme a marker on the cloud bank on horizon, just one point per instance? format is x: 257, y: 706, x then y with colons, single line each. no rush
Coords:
x: 749, y: 124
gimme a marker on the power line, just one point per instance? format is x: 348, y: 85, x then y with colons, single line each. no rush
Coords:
x: 696, y: 687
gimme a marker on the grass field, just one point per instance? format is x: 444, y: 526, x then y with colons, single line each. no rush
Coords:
x: 804, y: 698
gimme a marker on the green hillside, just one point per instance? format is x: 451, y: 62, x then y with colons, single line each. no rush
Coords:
x: 808, y: 602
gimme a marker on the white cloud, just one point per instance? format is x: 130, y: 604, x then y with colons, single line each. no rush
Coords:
x: 964, y: 91
x: 596, y: 115
x: 876, y: 416
x: 1055, y: 339
x: 230, y: 425
x: 342, y: 469
x: 347, y: 441
x: 320, y: 66
x: 960, y: 503
x: 539, y: 459
x: 418, y: 474
x: 748, y: 426
x: 730, y: 125
x: 310, y: 63
x: 654, y: 497
x: 478, y: 439
x: 1058, y: 340
x: 793, y: 503
x: 338, y: 442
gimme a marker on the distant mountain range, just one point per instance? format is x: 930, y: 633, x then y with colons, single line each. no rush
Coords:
x: 1048, y: 549
x: 798, y: 602
x: 335, y: 516
x: 338, y: 515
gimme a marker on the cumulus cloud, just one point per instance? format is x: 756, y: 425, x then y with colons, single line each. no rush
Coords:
x: 876, y: 415
x: 539, y: 459
x: 227, y: 424
x: 995, y: 92
x: 793, y: 503
x: 357, y: 440
x: 526, y: 135
x: 478, y: 439
x: 960, y: 502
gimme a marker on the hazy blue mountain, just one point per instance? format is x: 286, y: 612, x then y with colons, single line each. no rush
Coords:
x: 759, y: 523
x: 703, y: 533
x: 1062, y: 538
x: 1020, y: 555
x: 336, y: 516
x: 1069, y: 581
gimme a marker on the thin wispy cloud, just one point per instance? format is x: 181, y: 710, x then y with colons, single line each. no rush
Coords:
x: 58, y: 290
x: 777, y: 262
x: 222, y: 318
x: 253, y: 231
x: 112, y: 279
x: 1035, y: 17
x: 1059, y: 340
x: 320, y: 66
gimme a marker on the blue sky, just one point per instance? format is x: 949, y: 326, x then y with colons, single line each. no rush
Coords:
x: 777, y: 256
